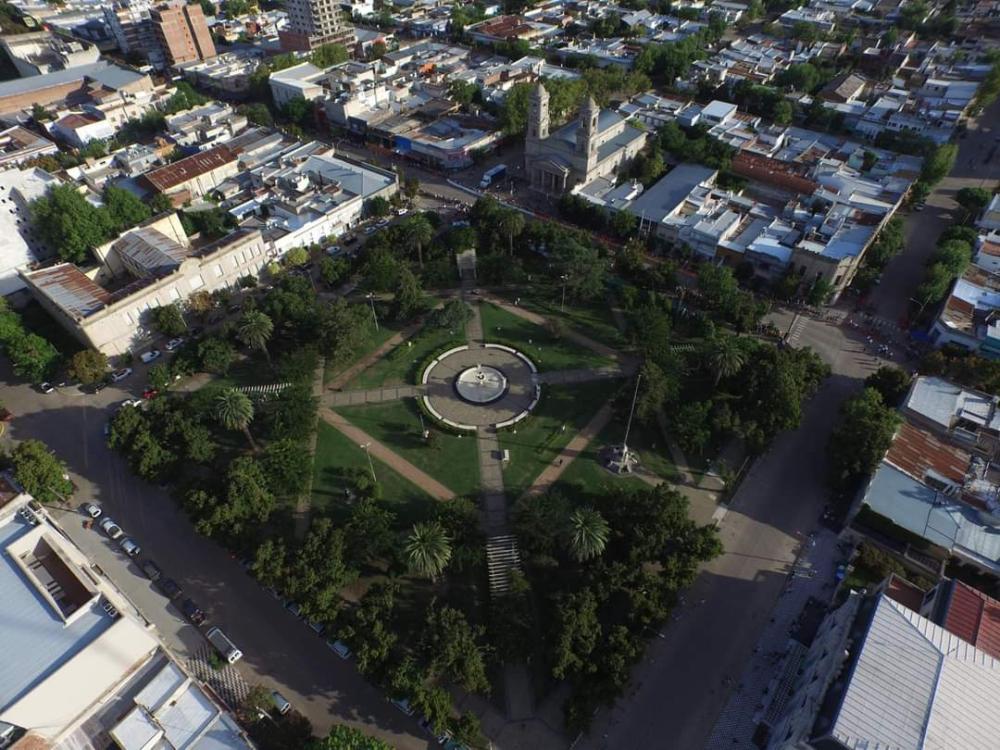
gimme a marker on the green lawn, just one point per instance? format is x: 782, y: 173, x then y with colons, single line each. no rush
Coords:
x: 400, y: 365
x: 586, y: 475
x: 595, y: 321
x: 374, y: 341
x: 548, y: 351
x: 540, y: 437
x: 451, y: 459
x: 336, y: 455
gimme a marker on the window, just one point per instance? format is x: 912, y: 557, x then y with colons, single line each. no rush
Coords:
x: 218, y: 270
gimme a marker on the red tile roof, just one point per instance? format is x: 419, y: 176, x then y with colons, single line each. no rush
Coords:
x: 974, y: 617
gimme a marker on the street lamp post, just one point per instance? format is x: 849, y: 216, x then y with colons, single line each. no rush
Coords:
x: 371, y: 466
x: 562, y: 305
x: 371, y: 298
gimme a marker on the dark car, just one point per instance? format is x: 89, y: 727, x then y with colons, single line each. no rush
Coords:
x: 193, y: 612
x: 169, y: 588
x: 349, y: 240
x: 152, y: 570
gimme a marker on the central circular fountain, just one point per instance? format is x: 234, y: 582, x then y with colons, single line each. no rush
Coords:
x: 481, y: 384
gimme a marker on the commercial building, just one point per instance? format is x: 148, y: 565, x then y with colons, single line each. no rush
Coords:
x: 312, y: 23
x: 182, y: 33
x: 227, y: 74
x: 150, y: 266
x: 80, y: 662
x: 86, y: 85
x: 192, y: 176
x: 878, y: 674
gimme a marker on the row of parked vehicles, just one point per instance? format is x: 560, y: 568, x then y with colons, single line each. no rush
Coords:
x: 342, y: 650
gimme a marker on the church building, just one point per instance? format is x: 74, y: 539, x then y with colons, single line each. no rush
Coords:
x: 597, y: 144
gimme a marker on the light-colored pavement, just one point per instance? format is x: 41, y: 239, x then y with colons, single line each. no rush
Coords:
x: 372, y: 395
x: 387, y: 456
x: 280, y: 651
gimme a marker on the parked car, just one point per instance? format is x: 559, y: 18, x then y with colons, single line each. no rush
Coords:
x: 382, y: 223
x: 92, y: 510
x: 119, y: 375
x: 428, y: 726
x: 150, y: 393
x: 349, y: 240
x: 131, y: 402
x: 340, y: 648
x: 110, y: 528
x: 46, y: 387
x: 370, y: 230
x: 193, y: 612
x: 174, y: 343
x: 152, y: 570
x: 334, y: 250
x: 294, y: 608
x: 402, y: 211
x: 147, y: 357
x: 403, y: 704
x: 107, y: 429
x: 97, y: 387
x: 169, y: 588
x: 129, y: 547
x: 281, y: 703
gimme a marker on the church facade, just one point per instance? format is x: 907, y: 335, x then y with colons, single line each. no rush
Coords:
x: 597, y: 144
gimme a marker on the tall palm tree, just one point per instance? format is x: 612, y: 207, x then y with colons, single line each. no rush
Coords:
x: 511, y: 223
x: 234, y: 410
x: 254, y: 330
x: 586, y: 534
x: 427, y: 549
x: 419, y: 233
x: 725, y: 356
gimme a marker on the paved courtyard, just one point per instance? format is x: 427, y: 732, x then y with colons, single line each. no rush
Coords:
x: 445, y: 400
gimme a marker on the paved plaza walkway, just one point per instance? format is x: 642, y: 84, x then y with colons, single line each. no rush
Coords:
x: 387, y: 456
x: 373, y: 395
x: 374, y: 356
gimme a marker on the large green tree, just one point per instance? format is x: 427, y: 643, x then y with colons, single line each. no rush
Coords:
x: 254, y: 330
x: 586, y: 533
x: 234, y: 410
x: 451, y: 648
x: 69, y: 224
x: 38, y: 470
x: 88, y: 366
x: 861, y: 438
x: 418, y: 233
x: 342, y: 737
x: 427, y: 549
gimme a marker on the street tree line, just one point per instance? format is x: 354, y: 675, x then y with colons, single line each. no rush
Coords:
x: 32, y: 357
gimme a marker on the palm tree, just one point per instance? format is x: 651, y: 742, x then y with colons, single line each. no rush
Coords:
x: 419, y: 233
x: 254, y: 330
x: 725, y: 356
x: 511, y: 223
x: 234, y: 411
x: 428, y: 549
x: 586, y: 534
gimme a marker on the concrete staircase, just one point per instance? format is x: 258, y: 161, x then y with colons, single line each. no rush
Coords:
x: 502, y: 559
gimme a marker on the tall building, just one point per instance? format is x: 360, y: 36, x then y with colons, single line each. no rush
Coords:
x: 182, y: 33
x: 312, y: 23
x: 133, y: 30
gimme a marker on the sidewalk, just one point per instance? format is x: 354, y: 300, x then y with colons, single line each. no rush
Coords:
x: 394, y: 461
x: 550, y: 475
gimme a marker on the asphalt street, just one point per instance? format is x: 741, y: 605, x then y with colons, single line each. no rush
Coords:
x: 977, y: 165
x: 279, y: 650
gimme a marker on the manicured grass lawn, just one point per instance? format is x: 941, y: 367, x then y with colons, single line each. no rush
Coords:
x: 335, y: 456
x: 400, y: 365
x: 373, y: 342
x: 545, y: 349
x: 586, y: 475
x: 539, y: 438
x: 595, y: 321
x: 451, y: 459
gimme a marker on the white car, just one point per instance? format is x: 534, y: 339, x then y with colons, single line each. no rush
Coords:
x: 402, y: 212
x: 129, y: 547
x: 132, y: 402
x: 118, y: 375
x: 149, y: 356
x: 174, y: 343
x: 94, y: 511
x: 112, y: 529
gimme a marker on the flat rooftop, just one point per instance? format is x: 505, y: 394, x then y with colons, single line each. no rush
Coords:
x: 35, y: 641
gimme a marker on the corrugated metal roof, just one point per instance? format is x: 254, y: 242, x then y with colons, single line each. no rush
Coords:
x: 70, y: 289
x: 917, y: 451
x: 151, y: 251
x: 916, y: 686
x: 179, y: 172
x: 35, y: 642
x: 975, y: 617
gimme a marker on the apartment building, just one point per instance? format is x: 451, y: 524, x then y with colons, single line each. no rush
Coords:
x: 312, y: 23
x: 182, y: 33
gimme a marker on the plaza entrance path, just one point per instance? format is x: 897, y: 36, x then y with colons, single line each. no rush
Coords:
x: 387, y: 456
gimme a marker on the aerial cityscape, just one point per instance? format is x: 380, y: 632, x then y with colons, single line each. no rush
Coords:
x: 528, y: 375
